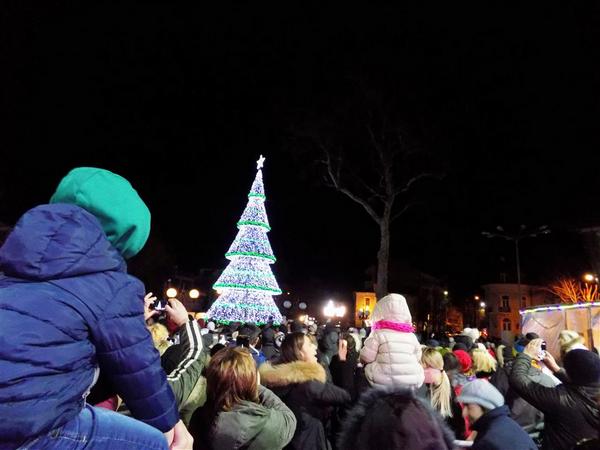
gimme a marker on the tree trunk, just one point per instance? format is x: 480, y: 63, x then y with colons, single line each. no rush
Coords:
x: 383, y: 256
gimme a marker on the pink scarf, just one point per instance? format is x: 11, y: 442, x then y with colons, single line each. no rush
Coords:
x: 395, y: 326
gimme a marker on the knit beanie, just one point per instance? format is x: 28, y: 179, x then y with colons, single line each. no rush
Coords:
x: 464, y: 360
x: 123, y: 215
x: 583, y: 367
x: 482, y: 393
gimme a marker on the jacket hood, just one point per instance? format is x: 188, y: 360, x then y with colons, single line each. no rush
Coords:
x: 392, y: 307
x: 123, y: 215
x: 58, y: 241
x: 291, y: 373
x: 249, y: 419
x: 386, y: 418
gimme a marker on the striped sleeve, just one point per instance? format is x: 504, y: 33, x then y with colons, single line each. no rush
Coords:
x: 191, y: 340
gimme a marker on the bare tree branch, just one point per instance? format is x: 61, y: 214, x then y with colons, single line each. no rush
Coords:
x: 403, y: 210
x: 413, y: 180
x: 334, y: 176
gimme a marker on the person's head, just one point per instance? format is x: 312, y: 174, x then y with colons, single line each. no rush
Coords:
x: 215, y: 348
x: 350, y: 340
x: 464, y: 359
x: 124, y: 217
x: 479, y: 397
x: 569, y: 340
x: 249, y: 335
x: 231, y: 377
x: 392, y: 307
x: 394, y: 419
x: 462, y: 342
x: 583, y: 367
x: 298, y: 347
x: 483, y: 361
x: 159, y: 334
x: 473, y: 333
x: 451, y: 363
x: 441, y: 391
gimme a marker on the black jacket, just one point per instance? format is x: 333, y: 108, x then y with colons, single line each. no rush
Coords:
x: 497, y: 431
x: 571, y: 412
x: 343, y: 372
x: 302, y: 387
x: 521, y: 411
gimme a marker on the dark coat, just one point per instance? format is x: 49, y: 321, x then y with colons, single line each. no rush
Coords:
x: 497, y: 431
x: 303, y: 388
x: 394, y: 420
x: 269, y: 349
x: 521, y: 411
x: 343, y: 373
x: 68, y: 306
x: 571, y: 412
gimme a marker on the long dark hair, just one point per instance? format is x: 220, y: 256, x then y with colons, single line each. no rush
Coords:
x: 291, y: 348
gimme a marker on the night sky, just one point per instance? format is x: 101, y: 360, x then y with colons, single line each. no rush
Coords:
x: 182, y: 102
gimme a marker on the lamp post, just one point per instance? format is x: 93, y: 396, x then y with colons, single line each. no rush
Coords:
x: 522, y: 233
x: 363, y: 314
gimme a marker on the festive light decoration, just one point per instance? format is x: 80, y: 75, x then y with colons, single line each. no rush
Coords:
x: 247, y: 285
x: 559, y: 307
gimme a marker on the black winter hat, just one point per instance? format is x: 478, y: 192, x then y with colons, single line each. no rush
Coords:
x: 463, y: 339
x: 461, y: 346
x: 583, y: 367
x: 391, y: 419
x: 432, y: 343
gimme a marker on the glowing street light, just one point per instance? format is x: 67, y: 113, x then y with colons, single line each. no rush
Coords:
x: 590, y: 278
x: 329, y: 310
x: 194, y: 293
x: 171, y: 292
x: 482, y: 304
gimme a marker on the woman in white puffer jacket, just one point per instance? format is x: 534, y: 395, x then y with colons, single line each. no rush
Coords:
x: 392, y: 353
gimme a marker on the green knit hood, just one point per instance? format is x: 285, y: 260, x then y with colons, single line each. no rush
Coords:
x: 124, y: 216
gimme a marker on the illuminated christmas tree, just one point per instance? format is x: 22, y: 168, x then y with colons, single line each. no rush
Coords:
x: 247, y: 284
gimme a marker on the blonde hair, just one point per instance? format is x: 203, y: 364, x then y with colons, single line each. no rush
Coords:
x: 569, y: 339
x: 483, y: 361
x: 440, y: 393
x: 231, y: 378
x: 159, y: 334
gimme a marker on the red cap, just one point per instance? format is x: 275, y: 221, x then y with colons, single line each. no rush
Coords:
x: 463, y: 359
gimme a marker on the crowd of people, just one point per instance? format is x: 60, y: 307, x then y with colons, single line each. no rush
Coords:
x: 87, y: 360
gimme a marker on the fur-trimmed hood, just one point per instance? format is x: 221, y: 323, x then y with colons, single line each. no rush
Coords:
x: 291, y: 373
x: 394, y: 419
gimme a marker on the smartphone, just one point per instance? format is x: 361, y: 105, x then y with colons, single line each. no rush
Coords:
x: 544, y: 346
x: 159, y: 305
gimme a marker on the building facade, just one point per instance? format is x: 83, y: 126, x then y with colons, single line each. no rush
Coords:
x: 364, y: 302
x: 503, y: 301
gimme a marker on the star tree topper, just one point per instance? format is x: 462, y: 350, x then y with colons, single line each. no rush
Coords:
x: 260, y: 162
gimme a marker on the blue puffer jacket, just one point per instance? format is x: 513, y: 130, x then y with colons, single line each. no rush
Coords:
x: 68, y: 306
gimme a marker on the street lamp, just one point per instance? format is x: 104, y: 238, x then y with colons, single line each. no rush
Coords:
x: 590, y: 278
x: 522, y: 233
x: 363, y: 314
x: 171, y: 292
x: 194, y: 293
